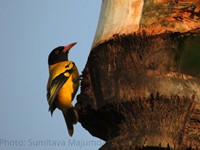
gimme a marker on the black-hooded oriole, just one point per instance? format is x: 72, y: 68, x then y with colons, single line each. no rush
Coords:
x: 63, y: 84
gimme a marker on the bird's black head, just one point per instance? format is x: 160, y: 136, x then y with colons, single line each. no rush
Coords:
x: 59, y: 54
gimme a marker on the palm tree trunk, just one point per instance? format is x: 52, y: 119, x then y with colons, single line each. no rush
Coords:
x: 141, y: 86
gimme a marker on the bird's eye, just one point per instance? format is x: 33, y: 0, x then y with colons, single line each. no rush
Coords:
x: 56, y: 52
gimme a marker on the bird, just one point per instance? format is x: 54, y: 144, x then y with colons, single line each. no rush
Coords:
x: 63, y: 84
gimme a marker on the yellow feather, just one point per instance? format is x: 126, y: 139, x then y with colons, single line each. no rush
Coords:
x: 66, y: 93
x: 69, y: 89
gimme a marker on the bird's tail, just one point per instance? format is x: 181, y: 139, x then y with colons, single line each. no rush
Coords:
x: 71, y: 118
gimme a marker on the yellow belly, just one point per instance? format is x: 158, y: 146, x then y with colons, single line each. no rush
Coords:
x: 68, y: 90
x: 66, y: 94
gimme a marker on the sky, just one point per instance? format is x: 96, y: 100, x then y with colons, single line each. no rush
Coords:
x: 29, y: 30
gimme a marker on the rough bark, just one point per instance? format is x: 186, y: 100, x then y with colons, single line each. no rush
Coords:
x: 141, y: 90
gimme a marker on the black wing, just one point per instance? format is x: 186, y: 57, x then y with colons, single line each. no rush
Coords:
x: 56, y: 85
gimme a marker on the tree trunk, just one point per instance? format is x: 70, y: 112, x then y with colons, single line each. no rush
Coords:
x: 141, y: 85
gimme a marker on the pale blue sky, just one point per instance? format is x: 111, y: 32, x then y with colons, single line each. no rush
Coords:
x: 29, y: 30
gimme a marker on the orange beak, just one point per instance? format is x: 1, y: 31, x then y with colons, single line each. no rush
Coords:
x: 68, y: 47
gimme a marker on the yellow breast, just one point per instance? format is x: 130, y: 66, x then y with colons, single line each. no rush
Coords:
x: 68, y: 90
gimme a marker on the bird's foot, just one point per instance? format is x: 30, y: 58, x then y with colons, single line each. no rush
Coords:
x: 78, y: 79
